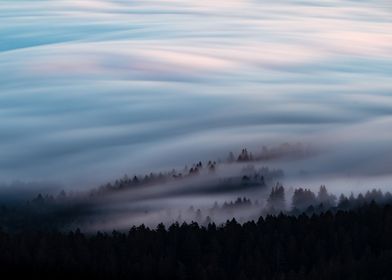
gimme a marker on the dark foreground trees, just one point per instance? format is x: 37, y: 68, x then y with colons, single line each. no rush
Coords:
x: 353, y: 244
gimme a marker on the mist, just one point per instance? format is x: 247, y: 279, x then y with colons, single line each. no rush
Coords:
x: 245, y: 185
x: 91, y: 90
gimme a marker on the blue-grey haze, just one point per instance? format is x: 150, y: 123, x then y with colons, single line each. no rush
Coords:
x: 93, y: 89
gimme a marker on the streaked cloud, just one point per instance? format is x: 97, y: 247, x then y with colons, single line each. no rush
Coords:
x: 91, y: 89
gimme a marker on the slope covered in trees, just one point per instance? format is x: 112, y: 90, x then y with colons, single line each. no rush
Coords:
x: 277, y: 233
x: 352, y: 244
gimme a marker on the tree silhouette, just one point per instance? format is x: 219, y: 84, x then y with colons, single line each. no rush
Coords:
x: 303, y: 198
x: 276, y: 201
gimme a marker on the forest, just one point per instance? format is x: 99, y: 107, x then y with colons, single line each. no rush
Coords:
x: 345, y: 244
x: 271, y: 232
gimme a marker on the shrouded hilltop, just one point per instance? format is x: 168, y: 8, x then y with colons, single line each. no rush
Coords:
x: 211, y: 192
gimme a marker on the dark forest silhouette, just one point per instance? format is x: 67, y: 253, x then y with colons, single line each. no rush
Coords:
x: 346, y: 244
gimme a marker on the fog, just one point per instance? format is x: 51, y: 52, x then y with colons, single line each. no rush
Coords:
x: 93, y: 89
x: 241, y: 187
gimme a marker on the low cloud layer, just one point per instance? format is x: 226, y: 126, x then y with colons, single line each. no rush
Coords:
x: 90, y: 90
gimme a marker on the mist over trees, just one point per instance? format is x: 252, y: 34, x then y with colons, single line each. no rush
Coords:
x: 68, y: 211
x: 276, y: 233
x: 249, y: 173
x: 276, y: 201
x: 283, y: 151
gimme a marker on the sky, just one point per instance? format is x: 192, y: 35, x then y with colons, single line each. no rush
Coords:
x: 93, y: 89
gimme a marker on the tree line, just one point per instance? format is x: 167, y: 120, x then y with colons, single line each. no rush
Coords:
x: 346, y: 244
